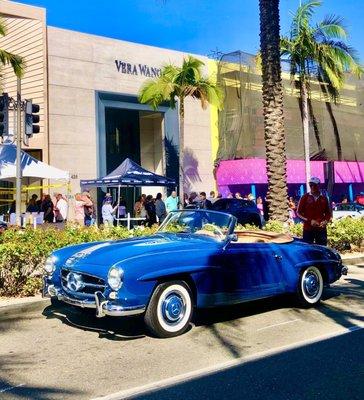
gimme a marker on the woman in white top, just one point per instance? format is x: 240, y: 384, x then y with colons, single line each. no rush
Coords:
x: 61, y: 208
x: 108, y: 212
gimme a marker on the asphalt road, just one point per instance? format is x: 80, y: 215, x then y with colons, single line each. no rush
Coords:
x: 263, y: 350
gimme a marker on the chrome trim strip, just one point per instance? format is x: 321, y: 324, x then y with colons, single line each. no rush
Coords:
x: 107, y: 307
x: 81, y: 272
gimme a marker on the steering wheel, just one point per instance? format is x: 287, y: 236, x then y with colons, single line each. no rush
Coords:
x: 216, y: 229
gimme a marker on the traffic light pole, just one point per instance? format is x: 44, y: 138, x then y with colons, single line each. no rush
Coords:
x: 18, y: 154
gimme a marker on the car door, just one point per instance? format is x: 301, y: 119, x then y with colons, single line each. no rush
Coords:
x: 255, y: 269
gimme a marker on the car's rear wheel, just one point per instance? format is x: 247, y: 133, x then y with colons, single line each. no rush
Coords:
x: 170, y: 309
x: 310, y: 286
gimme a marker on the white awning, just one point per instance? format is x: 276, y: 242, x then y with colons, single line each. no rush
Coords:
x: 31, y: 167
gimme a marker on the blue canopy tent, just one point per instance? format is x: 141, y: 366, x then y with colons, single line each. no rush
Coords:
x: 128, y: 174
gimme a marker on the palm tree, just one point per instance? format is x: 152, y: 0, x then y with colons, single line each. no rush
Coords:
x: 275, y: 142
x: 174, y: 85
x: 16, y: 62
x: 320, y: 52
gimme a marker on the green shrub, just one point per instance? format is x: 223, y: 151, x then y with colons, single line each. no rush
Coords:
x: 346, y: 234
x: 23, y: 252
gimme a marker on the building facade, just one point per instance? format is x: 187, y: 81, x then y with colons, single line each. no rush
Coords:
x: 87, y: 87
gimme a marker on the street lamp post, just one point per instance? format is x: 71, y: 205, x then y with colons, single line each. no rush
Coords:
x: 18, y: 154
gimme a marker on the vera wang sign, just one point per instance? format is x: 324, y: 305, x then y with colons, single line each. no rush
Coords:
x: 137, y: 69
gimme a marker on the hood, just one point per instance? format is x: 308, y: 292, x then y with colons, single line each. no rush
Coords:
x: 110, y: 252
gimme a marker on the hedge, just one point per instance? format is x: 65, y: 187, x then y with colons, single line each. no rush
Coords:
x: 23, y: 252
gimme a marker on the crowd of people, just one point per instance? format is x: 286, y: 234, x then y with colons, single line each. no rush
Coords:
x: 147, y: 209
x: 55, y: 210
x: 313, y: 208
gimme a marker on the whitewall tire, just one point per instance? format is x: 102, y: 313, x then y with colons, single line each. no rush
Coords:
x: 310, y: 286
x: 170, y: 309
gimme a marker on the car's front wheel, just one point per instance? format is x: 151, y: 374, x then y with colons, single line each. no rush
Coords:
x: 310, y: 286
x: 170, y: 309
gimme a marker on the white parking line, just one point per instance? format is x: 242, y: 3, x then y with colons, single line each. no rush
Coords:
x: 11, y: 388
x: 281, y: 323
x: 165, y: 383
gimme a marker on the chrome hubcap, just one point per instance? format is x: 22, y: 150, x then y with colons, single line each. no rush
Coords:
x: 311, y: 284
x: 173, y: 308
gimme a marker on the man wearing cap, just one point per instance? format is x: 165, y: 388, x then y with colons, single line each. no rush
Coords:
x: 315, y: 211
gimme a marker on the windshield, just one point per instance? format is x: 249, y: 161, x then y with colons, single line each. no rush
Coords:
x: 199, y: 222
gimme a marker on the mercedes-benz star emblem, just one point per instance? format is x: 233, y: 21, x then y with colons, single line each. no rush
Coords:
x: 74, y: 281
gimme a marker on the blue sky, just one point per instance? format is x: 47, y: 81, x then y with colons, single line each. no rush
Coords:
x: 195, y: 26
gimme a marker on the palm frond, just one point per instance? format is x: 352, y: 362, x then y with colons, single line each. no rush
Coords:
x: 327, y: 87
x: 155, y: 92
x: 180, y: 82
x: 17, y: 63
x: 320, y: 50
x: 331, y: 27
x: 302, y: 17
x: 2, y: 27
x: 208, y: 93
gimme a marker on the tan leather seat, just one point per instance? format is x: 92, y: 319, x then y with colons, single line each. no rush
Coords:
x: 260, y: 236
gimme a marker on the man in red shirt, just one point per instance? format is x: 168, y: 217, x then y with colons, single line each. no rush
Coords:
x: 315, y: 211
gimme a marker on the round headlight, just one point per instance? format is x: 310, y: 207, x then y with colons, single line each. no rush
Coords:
x: 50, y: 265
x: 115, y: 278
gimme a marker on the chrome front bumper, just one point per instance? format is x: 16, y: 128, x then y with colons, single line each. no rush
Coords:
x: 100, y: 304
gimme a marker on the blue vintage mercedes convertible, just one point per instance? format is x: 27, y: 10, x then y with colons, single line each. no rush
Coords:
x: 195, y: 259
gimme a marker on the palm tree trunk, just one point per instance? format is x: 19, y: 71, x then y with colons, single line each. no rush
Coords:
x: 332, y: 119
x: 306, y: 133
x: 275, y: 141
x: 336, y: 131
x: 315, y: 125
x: 181, y: 147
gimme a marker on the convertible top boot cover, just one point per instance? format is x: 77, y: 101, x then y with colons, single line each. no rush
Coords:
x: 263, y: 237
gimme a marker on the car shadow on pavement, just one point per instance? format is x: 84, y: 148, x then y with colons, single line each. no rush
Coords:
x: 209, y: 316
x: 119, y: 329
x: 338, y: 311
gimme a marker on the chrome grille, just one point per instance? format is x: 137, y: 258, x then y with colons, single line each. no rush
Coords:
x: 90, y: 283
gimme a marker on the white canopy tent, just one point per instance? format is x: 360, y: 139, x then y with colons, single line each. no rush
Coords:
x: 31, y: 167
x: 32, y: 170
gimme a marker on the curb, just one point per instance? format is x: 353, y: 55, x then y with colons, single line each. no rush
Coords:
x: 17, y: 310
x: 357, y: 260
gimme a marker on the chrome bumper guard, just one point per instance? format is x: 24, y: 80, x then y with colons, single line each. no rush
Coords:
x: 344, y: 270
x: 101, y: 304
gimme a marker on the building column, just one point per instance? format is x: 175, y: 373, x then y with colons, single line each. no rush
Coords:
x: 253, y: 191
x: 351, y: 192
x: 302, y: 190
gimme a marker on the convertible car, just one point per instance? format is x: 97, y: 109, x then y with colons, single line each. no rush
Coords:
x: 195, y: 260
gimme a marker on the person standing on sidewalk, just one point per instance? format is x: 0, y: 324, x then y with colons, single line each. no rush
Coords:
x: 315, y: 211
x: 172, y: 202
x: 160, y: 208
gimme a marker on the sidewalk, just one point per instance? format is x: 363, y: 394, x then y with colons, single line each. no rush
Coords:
x: 353, y: 259
x: 16, y: 307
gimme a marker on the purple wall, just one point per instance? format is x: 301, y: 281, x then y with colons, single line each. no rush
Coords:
x: 238, y: 175
x: 253, y: 170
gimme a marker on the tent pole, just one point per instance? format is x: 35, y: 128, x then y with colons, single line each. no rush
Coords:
x: 118, y: 204
x: 68, y: 198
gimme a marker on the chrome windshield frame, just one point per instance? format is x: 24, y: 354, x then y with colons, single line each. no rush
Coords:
x: 231, y: 220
